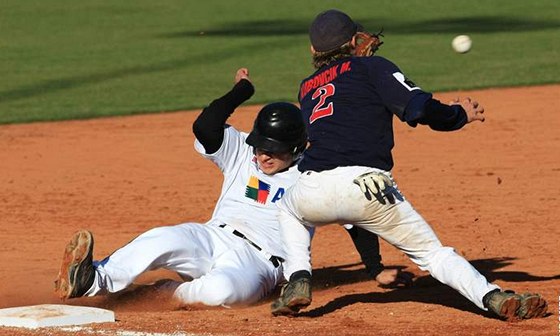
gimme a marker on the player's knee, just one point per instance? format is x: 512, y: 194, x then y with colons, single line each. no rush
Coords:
x: 210, y: 292
x: 158, y: 232
x: 164, y: 235
x: 433, y: 258
x: 220, y: 297
x: 160, y: 240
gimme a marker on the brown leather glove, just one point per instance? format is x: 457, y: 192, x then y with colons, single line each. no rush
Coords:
x: 367, y: 43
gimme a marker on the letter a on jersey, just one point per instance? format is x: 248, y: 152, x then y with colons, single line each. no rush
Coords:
x: 278, y: 195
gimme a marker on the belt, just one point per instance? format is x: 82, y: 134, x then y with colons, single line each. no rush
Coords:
x: 276, y: 261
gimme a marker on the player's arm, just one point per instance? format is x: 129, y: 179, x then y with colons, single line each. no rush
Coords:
x: 415, y: 106
x: 425, y: 110
x: 209, y: 126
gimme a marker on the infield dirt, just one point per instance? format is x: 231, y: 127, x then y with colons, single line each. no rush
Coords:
x: 491, y: 190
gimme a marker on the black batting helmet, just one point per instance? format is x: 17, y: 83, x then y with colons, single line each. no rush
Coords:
x: 279, y: 127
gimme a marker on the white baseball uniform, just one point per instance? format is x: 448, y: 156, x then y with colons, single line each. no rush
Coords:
x: 225, y: 268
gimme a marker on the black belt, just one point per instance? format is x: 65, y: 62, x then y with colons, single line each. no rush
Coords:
x: 273, y: 259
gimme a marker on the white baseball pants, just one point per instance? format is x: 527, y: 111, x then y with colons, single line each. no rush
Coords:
x: 225, y: 269
x: 332, y: 197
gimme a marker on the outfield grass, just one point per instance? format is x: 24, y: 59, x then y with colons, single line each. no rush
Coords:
x: 62, y: 59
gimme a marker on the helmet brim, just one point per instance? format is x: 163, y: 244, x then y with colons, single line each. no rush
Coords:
x: 268, y: 144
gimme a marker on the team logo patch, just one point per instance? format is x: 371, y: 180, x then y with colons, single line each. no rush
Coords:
x: 257, y: 190
x: 407, y: 83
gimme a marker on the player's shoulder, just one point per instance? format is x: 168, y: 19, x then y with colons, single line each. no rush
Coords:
x: 375, y: 62
x: 234, y: 143
x: 234, y: 132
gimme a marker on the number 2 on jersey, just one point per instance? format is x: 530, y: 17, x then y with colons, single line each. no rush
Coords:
x: 321, y: 110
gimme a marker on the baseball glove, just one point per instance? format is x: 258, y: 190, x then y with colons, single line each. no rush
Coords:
x: 367, y: 43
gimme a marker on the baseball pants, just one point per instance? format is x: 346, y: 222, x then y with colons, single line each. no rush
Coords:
x: 225, y: 270
x: 332, y: 197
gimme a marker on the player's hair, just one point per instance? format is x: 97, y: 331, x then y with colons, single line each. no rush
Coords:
x: 324, y: 58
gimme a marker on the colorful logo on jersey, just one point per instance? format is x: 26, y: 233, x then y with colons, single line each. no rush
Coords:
x: 257, y: 190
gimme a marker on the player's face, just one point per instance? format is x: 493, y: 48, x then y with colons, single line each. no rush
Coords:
x: 271, y: 163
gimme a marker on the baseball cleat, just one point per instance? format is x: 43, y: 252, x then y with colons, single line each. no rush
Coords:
x: 295, y: 295
x: 516, y: 307
x: 532, y: 305
x: 281, y: 308
x: 76, y: 273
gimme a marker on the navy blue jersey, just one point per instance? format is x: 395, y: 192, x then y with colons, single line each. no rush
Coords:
x: 349, y: 106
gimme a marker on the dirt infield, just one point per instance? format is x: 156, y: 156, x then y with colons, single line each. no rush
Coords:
x: 491, y: 190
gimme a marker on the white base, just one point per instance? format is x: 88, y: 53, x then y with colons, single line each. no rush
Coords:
x: 51, y: 315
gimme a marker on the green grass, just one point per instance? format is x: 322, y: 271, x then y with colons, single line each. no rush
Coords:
x: 62, y: 59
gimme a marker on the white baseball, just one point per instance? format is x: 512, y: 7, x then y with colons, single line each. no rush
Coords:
x: 461, y: 43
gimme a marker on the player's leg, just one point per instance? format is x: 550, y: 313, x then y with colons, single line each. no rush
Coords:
x: 240, y: 276
x: 405, y: 229
x: 399, y: 224
x: 185, y: 248
x: 332, y: 196
x: 296, y: 236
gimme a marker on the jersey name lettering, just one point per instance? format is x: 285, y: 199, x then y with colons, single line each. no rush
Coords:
x: 324, y: 77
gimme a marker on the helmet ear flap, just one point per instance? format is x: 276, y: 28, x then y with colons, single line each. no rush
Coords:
x: 299, y: 149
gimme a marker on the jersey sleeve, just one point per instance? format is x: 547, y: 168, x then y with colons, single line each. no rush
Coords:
x: 208, y: 126
x: 440, y: 117
x: 394, y: 88
x: 230, y: 152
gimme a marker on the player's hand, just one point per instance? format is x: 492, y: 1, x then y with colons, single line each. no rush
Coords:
x: 394, y: 278
x: 242, y: 73
x: 474, y: 110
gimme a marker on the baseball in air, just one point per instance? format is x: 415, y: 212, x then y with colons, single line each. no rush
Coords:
x: 462, y: 44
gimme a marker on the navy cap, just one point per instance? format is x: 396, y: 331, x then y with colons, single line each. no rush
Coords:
x: 331, y: 29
